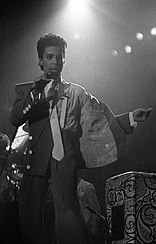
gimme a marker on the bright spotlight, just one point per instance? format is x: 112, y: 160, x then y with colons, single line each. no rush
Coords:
x: 139, y: 36
x: 77, y: 9
x: 153, y: 31
x: 128, y: 49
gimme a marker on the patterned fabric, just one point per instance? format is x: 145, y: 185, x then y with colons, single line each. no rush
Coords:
x: 97, y: 143
x: 136, y: 192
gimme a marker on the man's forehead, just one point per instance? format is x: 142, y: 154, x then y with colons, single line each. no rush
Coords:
x: 53, y: 49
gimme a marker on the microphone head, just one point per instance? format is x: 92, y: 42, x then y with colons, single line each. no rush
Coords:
x: 53, y: 75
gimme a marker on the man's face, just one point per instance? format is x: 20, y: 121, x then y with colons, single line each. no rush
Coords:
x: 52, y: 61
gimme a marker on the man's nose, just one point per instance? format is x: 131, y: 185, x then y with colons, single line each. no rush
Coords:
x: 54, y: 60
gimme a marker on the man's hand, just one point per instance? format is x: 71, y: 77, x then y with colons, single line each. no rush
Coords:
x: 141, y: 114
x: 39, y: 84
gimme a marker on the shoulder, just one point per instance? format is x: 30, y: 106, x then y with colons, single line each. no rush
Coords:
x: 23, y: 86
x: 75, y: 87
x: 86, y: 97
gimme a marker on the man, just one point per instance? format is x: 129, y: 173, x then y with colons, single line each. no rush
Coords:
x: 43, y: 103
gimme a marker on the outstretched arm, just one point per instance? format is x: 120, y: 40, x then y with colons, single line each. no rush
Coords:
x: 128, y: 121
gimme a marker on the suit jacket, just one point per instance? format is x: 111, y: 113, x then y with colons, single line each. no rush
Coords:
x: 99, y: 134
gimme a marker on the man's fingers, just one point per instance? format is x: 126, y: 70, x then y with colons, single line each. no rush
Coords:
x: 148, y: 111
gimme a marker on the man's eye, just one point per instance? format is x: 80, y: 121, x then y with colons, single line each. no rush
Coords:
x: 49, y: 57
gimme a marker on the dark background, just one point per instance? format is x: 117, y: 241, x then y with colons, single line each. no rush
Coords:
x: 125, y: 82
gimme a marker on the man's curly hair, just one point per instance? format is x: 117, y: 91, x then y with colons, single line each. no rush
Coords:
x: 50, y: 39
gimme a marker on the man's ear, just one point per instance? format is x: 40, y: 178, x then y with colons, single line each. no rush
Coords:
x: 64, y: 61
x: 40, y: 62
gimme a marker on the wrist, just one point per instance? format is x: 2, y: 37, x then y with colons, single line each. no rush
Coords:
x: 132, y: 121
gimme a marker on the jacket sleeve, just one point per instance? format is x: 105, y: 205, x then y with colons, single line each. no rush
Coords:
x: 123, y: 120
x: 22, y: 105
x: 99, y: 107
x: 119, y: 121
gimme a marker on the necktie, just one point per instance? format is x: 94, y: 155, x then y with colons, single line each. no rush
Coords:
x: 58, y: 150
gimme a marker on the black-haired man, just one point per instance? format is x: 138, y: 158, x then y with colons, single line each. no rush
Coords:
x: 47, y: 100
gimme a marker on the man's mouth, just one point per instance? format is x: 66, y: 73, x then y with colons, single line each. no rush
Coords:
x: 54, y: 69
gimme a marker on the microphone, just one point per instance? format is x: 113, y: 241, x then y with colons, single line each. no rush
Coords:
x: 50, y: 75
x: 53, y: 75
x: 39, y: 86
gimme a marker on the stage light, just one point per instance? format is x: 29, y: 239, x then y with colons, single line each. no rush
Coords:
x: 139, y: 36
x: 115, y: 53
x: 153, y: 31
x: 128, y: 49
x: 77, y: 9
